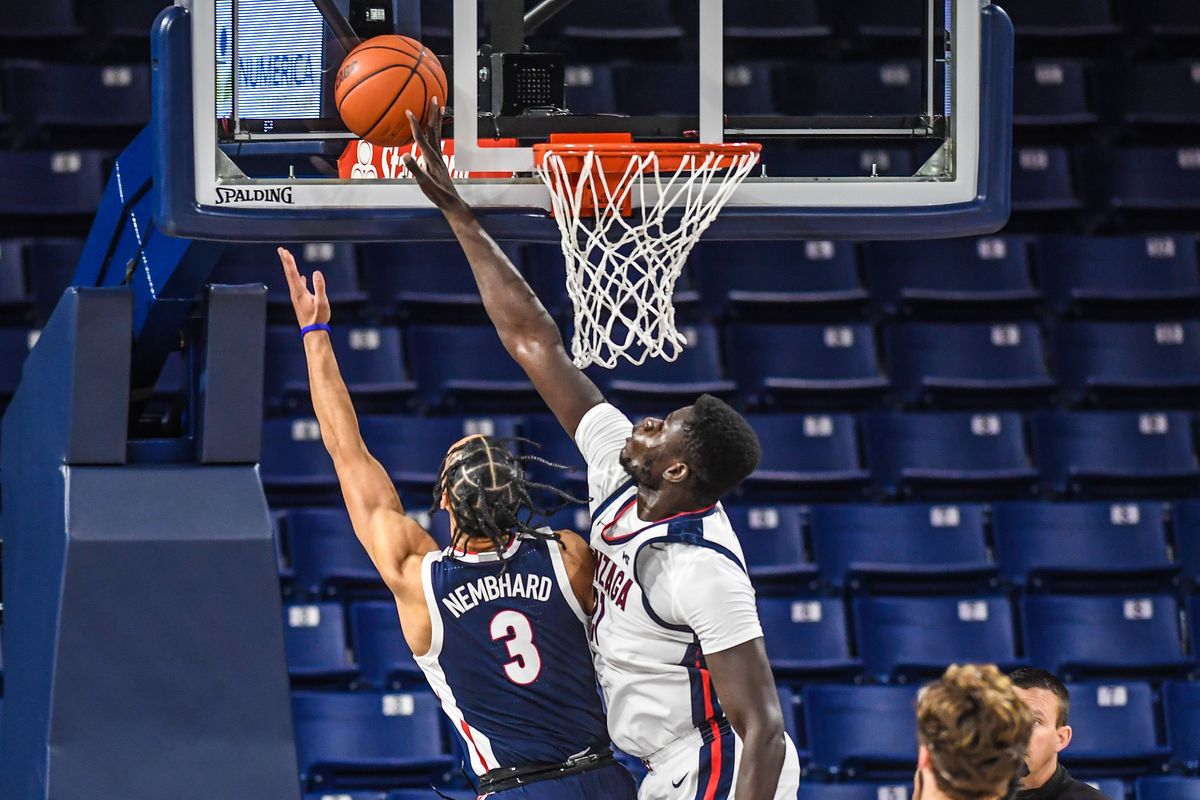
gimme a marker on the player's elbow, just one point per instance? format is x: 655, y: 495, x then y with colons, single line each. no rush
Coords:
x: 533, y: 346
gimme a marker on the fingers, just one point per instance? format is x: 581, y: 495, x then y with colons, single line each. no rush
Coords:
x: 319, y: 286
x: 417, y: 133
x: 289, y: 266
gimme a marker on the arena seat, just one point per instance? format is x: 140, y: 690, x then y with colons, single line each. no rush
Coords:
x: 1051, y: 92
x: 1153, y: 178
x: 861, y: 731
x: 789, y: 704
x: 466, y: 367
x: 1112, y: 788
x: 1125, y: 274
x: 622, y: 19
x: 1129, y: 363
x: 777, y: 281
x: 815, y: 366
x: 348, y: 739
x: 1167, y: 787
x: 776, y: 19
x: 15, y: 344
x: 551, y: 442
x: 412, y: 448
x: 327, y: 557
x: 294, y: 458
x: 49, y: 20
x: 590, y: 88
x: 1114, y: 729
x: 51, y: 183
x: 883, y: 19
x: 1062, y: 19
x: 335, y: 795
x: 50, y: 265
x: 649, y: 89
x: 658, y: 384
x: 1181, y: 708
x: 1042, y: 180
x: 1140, y: 634
x: 424, y: 281
x: 1106, y: 453
x: 824, y: 88
x: 423, y: 794
x: 807, y: 638
x: 314, y: 635
x: 1170, y: 18
x: 904, y: 548
x: 916, y: 637
x: 772, y: 539
x: 838, y: 161
x: 48, y: 96
x: 1186, y: 523
x: 259, y: 263
x: 813, y: 790
x: 123, y: 19
x: 807, y: 455
x: 960, y: 365
x: 14, y: 290
x: 1082, y: 546
x: 384, y: 657
x: 370, y: 359
x: 950, y: 453
x: 959, y: 278
x: 1159, y: 94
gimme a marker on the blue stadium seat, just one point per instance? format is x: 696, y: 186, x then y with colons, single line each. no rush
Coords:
x: 51, y: 183
x: 1170, y: 18
x: 1194, y: 616
x: 50, y: 265
x: 883, y: 19
x: 125, y: 19
x: 824, y: 366
x: 916, y: 637
x: 1152, y: 178
x: 424, y: 280
x: 14, y: 289
x: 1051, y: 93
x: 649, y: 89
x: 871, y: 88
x: 314, y: 635
x: 775, y: 19
x: 47, y: 96
x: 922, y: 548
x: 370, y: 358
x: 365, y: 738
x: 259, y: 263
x: 467, y: 367
x: 807, y: 639
x: 412, y: 448
x: 1129, y: 363
x: 1106, y: 452
x: 1042, y: 180
x: 789, y: 704
x: 1112, y: 788
x: 772, y: 539
x: 1185, y: 517
x: 781, y: 281
x: 657, y: 383
x: 337, y: 795
x: 423, y: 794
x: 384, y: 657
x: 327, y: 558
x: 294, y: 458
x: 1160, y: 94
x: 15, y: 344
x: 787, y: 159
x: 558, y: 447
x: 952, y: 453
x: 1181, y: 708
x: 962, y: 278
x: 812, y: 790
x: 990, y: 366
x: 591, y: 89
x: 1062, y: 19
x: 815, y: 454
x: 622, y: 19
x: 51, y: 19
x: 1114, y: 729
x: 1140, y: 634
x: 1168, y: 787
x: 1152, y: 273
x: 860, y: 731
x: 1082, y: 546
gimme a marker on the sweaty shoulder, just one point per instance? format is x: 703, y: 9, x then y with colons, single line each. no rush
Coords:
x: 601, y: 436
x: 577, y: 558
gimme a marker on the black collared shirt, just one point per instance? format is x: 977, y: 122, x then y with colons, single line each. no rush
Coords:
x: 1062, y: 786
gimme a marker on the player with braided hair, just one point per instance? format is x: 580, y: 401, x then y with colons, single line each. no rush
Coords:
x: 973, y: 732
x: 497, y: 622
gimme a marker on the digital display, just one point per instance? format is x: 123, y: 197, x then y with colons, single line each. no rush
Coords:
x: 279, y: 59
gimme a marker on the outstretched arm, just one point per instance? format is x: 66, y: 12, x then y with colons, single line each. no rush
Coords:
x: 529, y: 333
x: 392, y: 540
x: 742, y: 678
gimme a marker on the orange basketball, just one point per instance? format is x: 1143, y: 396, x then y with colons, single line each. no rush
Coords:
x: 380, y: 80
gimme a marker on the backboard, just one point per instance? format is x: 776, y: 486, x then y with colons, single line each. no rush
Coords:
x: 910, y: 139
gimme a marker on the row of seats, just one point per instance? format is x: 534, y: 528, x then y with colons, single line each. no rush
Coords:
x: 814, y: 366
x: 1032, y: 546
x: 815, y: 456
x: 996, y: 277
x: 347, y: 739
x: 1044, y: 179
x: 885, y: 638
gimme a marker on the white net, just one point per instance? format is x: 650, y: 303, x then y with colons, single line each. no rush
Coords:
x: 621, y: 271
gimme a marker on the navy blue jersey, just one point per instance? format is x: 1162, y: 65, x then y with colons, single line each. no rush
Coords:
x: 509, y: 657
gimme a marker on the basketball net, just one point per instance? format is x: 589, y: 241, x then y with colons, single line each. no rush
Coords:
x: 621, y: 269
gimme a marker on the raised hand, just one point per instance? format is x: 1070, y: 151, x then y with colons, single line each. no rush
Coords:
x: 310, y: 307
x: 430, y: 171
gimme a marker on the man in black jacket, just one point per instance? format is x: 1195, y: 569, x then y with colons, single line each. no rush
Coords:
x: 1048, y: 699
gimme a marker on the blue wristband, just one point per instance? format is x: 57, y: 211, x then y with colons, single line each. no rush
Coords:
x: 316, y: 326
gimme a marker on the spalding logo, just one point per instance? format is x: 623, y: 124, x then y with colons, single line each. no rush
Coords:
x: 280, y: 195
x: 348, y: 69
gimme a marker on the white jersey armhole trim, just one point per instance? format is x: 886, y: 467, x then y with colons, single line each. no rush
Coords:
x: 564, y: 579
x: 435, y: 614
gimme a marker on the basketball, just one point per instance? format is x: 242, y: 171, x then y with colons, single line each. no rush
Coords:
x: 383, y: 78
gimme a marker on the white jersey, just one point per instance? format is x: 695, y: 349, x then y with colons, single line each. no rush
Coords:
x: 667, y: 593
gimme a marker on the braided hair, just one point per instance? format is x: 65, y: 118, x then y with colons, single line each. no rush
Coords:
x: 489, y: 495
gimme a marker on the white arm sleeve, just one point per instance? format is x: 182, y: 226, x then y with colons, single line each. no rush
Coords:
x: 600, y: 437
x: 704, y: 590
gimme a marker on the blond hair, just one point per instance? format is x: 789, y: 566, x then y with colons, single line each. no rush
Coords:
x: 976, y: 730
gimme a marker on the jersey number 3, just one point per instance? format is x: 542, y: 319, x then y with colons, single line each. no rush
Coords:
x: 513, y: 628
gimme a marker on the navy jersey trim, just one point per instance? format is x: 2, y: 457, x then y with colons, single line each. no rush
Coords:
x: 608, y: 501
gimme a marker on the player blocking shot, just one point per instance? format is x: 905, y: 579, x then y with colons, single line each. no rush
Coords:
x: 675, y: 637
x: 498, y: 620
